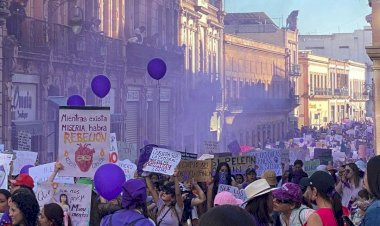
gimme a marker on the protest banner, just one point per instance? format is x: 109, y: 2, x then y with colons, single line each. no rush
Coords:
x: 268, y: 159
x: 23, y: 158
x: 324, y: 155
x: 41, y: 173
x: 162, y: 161
x: 199, y: 170
x: 188, y: 156
x: 311, y: 166
x: 128, y: 167
x: 114, y: 151
x: 206, y: 156
x: 78, y: 203
x: 127, y: 151
x: 238, y: 193
x: 238, y: 164
x: 210, y: 147
x: 84, y: 139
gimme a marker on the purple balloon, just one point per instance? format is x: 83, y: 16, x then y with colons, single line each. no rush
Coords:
x: 75, y: 100
x: 25, y: 169
x: 100, y: 85
x: 156, y: 68
x: 108, y: 180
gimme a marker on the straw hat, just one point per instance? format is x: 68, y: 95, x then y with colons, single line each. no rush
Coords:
x: 257, y: 188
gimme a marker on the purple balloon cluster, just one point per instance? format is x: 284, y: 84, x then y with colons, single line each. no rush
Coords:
x: 100, y: 85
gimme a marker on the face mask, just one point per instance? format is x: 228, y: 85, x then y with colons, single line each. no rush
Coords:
x: 222, y: 178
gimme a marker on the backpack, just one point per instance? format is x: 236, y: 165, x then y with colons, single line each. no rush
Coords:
x: 133, y: 223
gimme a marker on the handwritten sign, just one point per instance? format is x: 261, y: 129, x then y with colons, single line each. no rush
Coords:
x: 114, y: 150
x: 128, y: 167
x: 188, y: 156
x: 127, y: 151
x: 162, y: 161
x: 84, y: 139
x: 5, y: 160
x: 238, y: 193
x: 24, y: 141
x: 210, y: 147
x: 199, y: 170
x: 23, y: 158
x: 237, y: 164
x: 324, y: 155
x: 78, y: 203
x: 311, y: 166
x: 268, y: 160
x: 41, y: 173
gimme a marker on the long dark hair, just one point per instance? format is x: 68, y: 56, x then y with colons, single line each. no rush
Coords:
x: 216, y: 177
x: 27, y: 203
x: 373, y: 176
x: 258, y: 207
x: 335, y: 199
x: 55, y: 214
x: 356, y: 173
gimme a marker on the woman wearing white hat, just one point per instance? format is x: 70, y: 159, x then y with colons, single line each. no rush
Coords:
x: 260, y: 202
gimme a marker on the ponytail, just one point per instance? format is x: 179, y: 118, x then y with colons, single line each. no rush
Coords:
x: 336, y: 202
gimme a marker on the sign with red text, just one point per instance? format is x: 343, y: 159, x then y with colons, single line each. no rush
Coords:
x: 114, y: 151
x: 162, y: 161
x: 128, y: 167
x: 84, y: 139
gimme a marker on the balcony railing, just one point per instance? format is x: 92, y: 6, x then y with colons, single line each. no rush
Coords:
x: 323, y: 92
x: 341, y: 92
x: 38, y: 36
x: 295, y: 70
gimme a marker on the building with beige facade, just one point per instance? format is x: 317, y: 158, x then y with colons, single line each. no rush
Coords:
x: 258, y: 97
x: 331, y: 91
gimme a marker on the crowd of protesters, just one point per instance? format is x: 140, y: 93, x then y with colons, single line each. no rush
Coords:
x: 335, y: 195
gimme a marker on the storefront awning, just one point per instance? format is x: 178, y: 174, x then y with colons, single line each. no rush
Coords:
x: 58, y: 100
x: 32, y: 127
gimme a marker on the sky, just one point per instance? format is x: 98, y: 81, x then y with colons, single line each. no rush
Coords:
x: 314, y: 17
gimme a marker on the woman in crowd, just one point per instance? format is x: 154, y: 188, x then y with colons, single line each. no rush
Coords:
x: 222, y: 176
x: 260, y: 202
x: 288, y: 202
x: 134, y: 210
x: 169, y: 202
x: 321, y: 191
x: 349, y: 185
x: 52, y: 215
x: 23, y: 208
x: 226, y: 215
x: 372, y: 184
x: 4, y: 208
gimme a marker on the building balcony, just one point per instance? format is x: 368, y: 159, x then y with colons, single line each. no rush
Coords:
x: 39, y: 37
x: 295, y: 70
x: 262, y: 105
x: 139, y: 55
x: 323, y: 92
x: 342, y: 92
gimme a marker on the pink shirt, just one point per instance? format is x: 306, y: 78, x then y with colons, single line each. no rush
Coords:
x: 327, y: 216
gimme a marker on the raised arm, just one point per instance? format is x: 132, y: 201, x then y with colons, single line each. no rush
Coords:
x: 202, y: 197
x: 57, y: 167
x: 178, y: 195
x: 151, y: 189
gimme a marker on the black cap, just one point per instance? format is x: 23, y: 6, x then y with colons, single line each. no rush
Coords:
x: 304, y: 182
x: 322, y: 181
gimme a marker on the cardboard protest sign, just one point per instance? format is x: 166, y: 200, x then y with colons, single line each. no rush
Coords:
x: 238, y: 164
x: 128, y: 167
x: 210, y: 147
x: 199, y: 170
x: 5, y: 160
x: 268, y: 159
x: 23, y: 158
x: 41, y: 173
x: 206, y: 156
x: 78, y: 198
x: 238, y: 193
x: 188, y: 156
x: 127, y: 151
x: 324, y: 155
x: 114, y: 151
x: 84, y: 139
x: 311, y: 166
x: 162, y: 161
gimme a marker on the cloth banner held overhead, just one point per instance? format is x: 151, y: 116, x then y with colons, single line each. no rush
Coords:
x: 84, y: 139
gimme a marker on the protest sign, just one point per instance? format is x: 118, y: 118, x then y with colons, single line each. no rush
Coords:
x: 311, y: 166
x: 210, y: 147
x: 127, y: 151
x: 23, y: 158
x: 84, y: 139
x: 41, y: 173
x: 324, y: 155
x: 188, y: 156
x: 24, y: 141
x: 199, y: 170
x: 5, y: 160
x: 338, y: 156
x: 114, y: 151
x: 238, y: 193
x: 268, y: 159
x: 78, y: 203
x: 206, y: 156
x: 298, y: 153
x: 338, y: 137
x: 162, y: 161
x: 238, y: 164
x: 128, y: 167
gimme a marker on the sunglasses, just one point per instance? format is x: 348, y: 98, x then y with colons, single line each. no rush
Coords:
x: 282, y: 201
